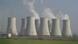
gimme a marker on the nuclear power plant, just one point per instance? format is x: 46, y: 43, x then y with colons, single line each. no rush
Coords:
x: 44, y: 26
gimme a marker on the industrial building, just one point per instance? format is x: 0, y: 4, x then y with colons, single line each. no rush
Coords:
x: 66, y: 26
x: 22, y: 30
x: 41, y: 27
x: 56, y: 29
x: 11, y: 29
x: 44, y: 28
x: 31, y: 28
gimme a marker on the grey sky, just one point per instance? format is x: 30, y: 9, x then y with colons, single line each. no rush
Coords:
x: 16, y: 8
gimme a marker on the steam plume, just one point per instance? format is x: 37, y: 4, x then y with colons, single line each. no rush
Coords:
x: 30, y: 7
x: 48, y: 13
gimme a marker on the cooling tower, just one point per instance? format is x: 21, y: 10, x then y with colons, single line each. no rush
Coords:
x: 31, y: 28
x: 50, y: 24
x: 37, y: 24
x: 66, y: 27
x: 12, y: 26
x: 22, y: 31
x: 44, y: 28
x: 56, y: 29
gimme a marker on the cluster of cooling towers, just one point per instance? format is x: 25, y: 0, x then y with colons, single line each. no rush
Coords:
x: 41, y: 27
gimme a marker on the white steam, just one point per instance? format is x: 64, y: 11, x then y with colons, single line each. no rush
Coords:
x: 29, y: 4
x: 66, y: 17
x: 48, y: 13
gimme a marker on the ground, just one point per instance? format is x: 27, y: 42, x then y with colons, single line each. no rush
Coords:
x: 30, y: 41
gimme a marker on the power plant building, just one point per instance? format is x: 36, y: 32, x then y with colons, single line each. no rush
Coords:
x: 11, y: 29
x: 31, y: 28
x: 44, y: 28
x: 37, y: 24
x: 22, y: 31
x: 67, y: 27
x: 56, y: 29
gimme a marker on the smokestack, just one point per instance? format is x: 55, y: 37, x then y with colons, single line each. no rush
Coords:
x: 22, y: 31
x: 31, y: 28
x: 56, y: 29
x: 66, y: 27
x: 44, y: 28
x: 12, y: 26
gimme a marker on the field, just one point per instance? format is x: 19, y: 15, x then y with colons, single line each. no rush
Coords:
x: 30, y: 41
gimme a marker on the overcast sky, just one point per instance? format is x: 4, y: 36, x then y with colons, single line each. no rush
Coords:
x: 17, y: 8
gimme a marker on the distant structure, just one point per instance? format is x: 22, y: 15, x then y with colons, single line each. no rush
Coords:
x: 31, y: 28
x: 37, y: 24
x: 66, y: 27
x: 44, y: 28
x: 50, y: 24
x: 56, y: 29
x: 22, y: 31
x: 11, y: 29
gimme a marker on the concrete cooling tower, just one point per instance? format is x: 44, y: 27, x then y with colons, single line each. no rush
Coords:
x: 56, y: 29
x: 12, y: 26
x: 47, y: 12
x: 31, y: 28
x: 66, y: 27
x: 50, y: 24
x: 22, y: 31
x: 37, y: 24
x: 44, y: 28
